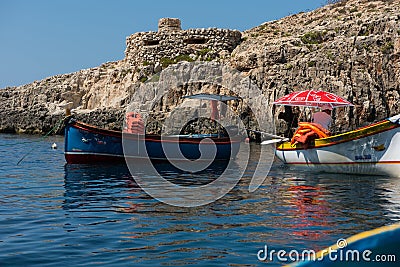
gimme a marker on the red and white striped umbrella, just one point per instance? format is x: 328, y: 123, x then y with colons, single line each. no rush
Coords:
x: 311, y: 98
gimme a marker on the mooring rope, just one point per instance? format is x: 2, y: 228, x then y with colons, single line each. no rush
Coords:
x: 55, y: 129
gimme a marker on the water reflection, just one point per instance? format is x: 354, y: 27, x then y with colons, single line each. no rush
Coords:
x: 184, y: 178
x: 96, y: 186
x: 390, y: 190
x: 308, y: 199
x: 310, y: 211
x: 329, y: 205
x: 290, y: 210
x: 89, y: 185
x: 89, y: 215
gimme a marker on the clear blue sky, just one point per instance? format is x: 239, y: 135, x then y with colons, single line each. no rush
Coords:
x: 41, y: 38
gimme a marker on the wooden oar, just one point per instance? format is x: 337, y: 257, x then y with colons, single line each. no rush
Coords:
x: 267, y: 134
x: 274, y: 141
x: 277, y: 138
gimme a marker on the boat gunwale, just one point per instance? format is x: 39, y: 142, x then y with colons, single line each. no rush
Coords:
x: 153, y: 137
x: 369, y: 130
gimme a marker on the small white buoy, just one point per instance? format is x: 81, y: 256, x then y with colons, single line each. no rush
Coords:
x: 54, y: 146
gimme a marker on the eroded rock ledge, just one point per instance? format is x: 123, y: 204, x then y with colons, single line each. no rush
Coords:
x: 351, y: 48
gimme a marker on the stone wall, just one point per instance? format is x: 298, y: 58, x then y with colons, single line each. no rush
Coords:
x: 171, y: 44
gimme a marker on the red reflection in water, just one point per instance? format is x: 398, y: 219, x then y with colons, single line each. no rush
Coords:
x: 310, y: 213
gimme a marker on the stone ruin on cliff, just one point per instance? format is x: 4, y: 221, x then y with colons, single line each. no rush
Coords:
x: 171, y: 44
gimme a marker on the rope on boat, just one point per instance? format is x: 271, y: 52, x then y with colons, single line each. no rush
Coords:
x: 55, y: 129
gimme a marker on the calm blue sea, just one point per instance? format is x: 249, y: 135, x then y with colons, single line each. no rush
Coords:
x: 53, y: 214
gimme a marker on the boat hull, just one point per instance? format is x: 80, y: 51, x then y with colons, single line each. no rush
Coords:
x: 89, y: 144
x: 382, y: 242
x: 372, y: 150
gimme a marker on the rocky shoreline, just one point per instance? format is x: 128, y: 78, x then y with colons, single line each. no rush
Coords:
x: 351, y: 48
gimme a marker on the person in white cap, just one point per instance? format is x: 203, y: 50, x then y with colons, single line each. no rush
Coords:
x: 323, y: 117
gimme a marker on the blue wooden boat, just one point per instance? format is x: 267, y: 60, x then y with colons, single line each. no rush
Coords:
x: 86, y: 143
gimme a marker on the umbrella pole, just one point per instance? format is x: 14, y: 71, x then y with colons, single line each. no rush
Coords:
x: 198, y: 121
x: 291, y: 123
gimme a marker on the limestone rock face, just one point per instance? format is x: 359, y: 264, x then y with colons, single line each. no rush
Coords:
x: 100, y: 95
x: 39, y: 106
x: 351, y: 48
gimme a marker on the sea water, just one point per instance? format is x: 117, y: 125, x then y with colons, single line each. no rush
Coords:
x: 54, y: 214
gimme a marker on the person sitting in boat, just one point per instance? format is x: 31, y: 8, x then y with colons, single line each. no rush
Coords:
x: 317, y: 128
x: 323, y: 117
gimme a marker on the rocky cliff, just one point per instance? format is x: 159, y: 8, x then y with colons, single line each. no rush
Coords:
x: 351, y: 48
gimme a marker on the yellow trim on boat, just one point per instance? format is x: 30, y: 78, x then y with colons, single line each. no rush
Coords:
x: 358, y: 237
x: 322, y: 253
x: 376, y: 231
x: 343, y: 137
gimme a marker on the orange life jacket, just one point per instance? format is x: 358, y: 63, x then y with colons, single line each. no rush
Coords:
x: 308, y: 131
